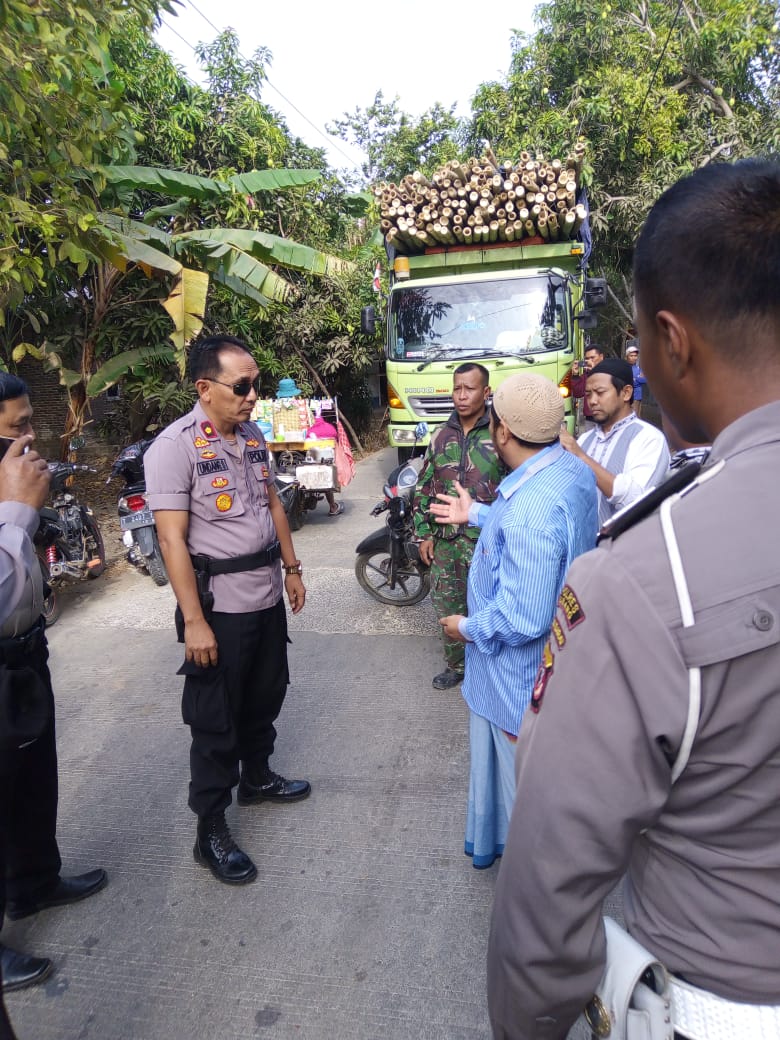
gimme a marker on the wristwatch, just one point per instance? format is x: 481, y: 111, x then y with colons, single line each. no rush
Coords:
x: 293, y: 568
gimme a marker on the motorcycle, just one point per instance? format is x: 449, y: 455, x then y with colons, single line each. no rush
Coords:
x: 388, y: 565
x: 139, y: 533
x: 68, y: 540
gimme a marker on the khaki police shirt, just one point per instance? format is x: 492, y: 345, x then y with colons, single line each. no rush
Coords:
x: 595, y: 799
x: 21, y: 584
x: 223, y: 487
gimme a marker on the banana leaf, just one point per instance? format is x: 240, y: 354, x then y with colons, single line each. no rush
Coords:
x: 116, y: 367
x: 271, y: 249
x: 186, y: 305
x: 189, y: 186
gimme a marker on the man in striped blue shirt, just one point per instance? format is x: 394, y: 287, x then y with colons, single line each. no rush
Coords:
x: 544, y: 515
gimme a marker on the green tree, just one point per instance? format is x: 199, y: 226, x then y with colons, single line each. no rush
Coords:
x: 61, y: 111
x: 394, y: 142
x: 656, y: 88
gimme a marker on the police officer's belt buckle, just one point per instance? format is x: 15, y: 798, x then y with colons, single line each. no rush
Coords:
x: 597, y: 1017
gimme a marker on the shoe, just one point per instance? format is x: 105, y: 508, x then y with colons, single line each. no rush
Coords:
x: 20, y: 970
x: 337, y: 511
x: 215, y: 849
x: 446, y: 679
x: 272, y: 788
x: 67, y: 890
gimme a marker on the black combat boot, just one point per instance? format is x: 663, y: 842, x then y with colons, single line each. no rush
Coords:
x: 215, y: 849
x: 264, y: 785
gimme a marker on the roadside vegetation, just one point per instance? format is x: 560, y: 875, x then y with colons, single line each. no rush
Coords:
x: 137, y: 208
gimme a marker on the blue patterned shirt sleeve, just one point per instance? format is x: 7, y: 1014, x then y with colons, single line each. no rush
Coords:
x: 528, y: 560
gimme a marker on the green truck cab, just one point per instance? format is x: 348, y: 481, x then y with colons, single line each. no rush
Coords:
x: 510, y: 307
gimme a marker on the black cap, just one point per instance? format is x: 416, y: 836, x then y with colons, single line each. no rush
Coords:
x: 616, y: 367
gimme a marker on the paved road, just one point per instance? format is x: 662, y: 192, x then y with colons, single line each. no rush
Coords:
x: 366, y: 921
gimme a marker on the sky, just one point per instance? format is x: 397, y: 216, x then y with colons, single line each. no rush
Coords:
x: 332, y: 58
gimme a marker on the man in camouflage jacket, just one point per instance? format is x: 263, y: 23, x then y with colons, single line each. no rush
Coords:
x: 459, y: 450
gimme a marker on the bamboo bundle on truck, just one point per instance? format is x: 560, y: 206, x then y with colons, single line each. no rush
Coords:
x: 484, y: 200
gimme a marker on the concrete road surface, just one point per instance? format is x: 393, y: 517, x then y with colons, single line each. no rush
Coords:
x: 366, y: 921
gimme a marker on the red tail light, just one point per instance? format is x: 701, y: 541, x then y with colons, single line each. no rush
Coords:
x: 136, y: 503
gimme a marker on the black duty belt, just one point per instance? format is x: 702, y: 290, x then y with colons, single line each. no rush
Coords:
x: 15, y: 648
x: 232, y: 564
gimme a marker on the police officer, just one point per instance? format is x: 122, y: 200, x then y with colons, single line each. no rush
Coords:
x: 652, y: 745
x: 228, y: 550
x: 459, y: 450
x: 30, y: 861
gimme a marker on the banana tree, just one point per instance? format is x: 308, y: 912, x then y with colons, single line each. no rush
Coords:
x: 245, y: 261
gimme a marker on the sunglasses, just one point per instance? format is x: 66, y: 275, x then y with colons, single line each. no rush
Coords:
x: 242, y: 388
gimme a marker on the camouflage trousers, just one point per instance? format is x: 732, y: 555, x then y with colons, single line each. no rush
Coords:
x: 449, y: 579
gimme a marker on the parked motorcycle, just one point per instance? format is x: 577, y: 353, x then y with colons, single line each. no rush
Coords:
x: 388, y: 565
x: 289, y: 491
x: 68, y: 540
x: 139, y: 533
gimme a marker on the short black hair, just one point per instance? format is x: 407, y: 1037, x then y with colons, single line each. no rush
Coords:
x: 594, y: 346
x: 12, y: 387
x: 710, y: 249
x: 470, y: 366
x: 204, y: 360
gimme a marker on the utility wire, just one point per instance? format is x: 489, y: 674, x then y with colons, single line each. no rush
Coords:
x: 325, y: 136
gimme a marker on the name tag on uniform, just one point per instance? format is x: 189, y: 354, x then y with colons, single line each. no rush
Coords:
x: 212, y: 466
x: 257, y: 456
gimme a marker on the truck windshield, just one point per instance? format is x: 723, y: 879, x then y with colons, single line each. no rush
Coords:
x: 510, y: 316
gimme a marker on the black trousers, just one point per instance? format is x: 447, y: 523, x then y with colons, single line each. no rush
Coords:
x: 29, y: 855
x: 231, y: 707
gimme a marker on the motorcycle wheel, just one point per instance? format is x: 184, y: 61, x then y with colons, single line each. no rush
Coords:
x: 95, y: 548
x: 51, y: 604
x: 156, y: 565
x: 412, y: 583
x: 296, y: 518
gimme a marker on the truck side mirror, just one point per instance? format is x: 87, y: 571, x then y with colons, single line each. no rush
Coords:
x: 368, y: 321
x: 595, y: 292
x: 587, y: 319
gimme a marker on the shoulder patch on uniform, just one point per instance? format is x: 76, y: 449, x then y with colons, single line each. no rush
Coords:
x: 546, y: 669
x: 557, y: 631
x: 572, y: 611
x: 253, y: 443
x: 224, y: 502
x: 208, y: 430
x: 208, y: 454
x: 220, y: 482
x: 201, y: 442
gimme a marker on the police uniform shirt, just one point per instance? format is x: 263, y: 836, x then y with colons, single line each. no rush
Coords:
x: 223, y: 486
x: 21, y: 584
x: 595, y: 799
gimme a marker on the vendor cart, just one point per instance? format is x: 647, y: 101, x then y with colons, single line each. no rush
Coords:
x: 305, y: 466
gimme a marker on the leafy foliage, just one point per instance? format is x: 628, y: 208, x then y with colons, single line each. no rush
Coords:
x: 656, y: 88
x: 396, y: 143
x: 61, y: 110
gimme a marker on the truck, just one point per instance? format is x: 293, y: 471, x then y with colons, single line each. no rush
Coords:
x: 512, y: 306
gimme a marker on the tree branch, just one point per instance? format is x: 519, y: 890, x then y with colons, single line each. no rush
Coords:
x: 316, y: 376
x: 709, y: 86
x: 629, y: 318
x: 725, y: 146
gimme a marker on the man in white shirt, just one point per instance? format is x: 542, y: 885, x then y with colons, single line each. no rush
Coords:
x: 628, y: 455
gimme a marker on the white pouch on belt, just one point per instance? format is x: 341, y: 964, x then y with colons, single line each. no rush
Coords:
x: 624, y: 1007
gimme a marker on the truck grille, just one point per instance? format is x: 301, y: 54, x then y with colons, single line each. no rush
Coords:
x: 434, y: 407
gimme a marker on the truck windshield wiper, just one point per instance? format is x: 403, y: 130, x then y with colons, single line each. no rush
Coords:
x: 439, y: 352
x: 475, y: 353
